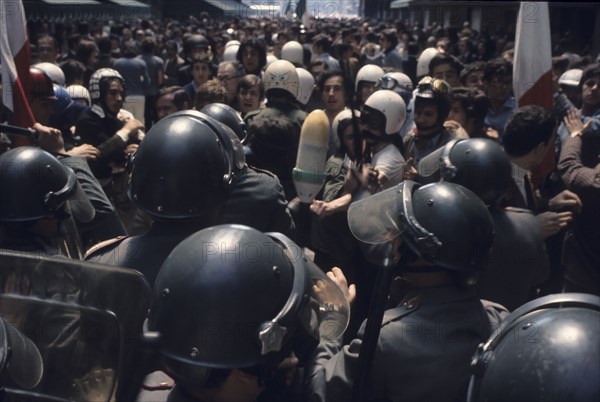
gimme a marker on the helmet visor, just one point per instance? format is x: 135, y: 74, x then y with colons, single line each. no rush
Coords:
x: 437, y: 165
x: 316, y: 301
x: 330, y: 310
x: 375, y: 219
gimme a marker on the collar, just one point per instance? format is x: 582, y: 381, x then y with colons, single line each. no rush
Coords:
x: 98, y: 110
x: 518, y: 172
x: 438, y: 295
x: 417, y: 297
x: 509, y: 103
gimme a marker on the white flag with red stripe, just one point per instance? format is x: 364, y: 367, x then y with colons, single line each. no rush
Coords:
x: 532, y: 65
x: 14, y: 50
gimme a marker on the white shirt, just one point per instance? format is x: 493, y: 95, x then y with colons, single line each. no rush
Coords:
x: 389, y: 162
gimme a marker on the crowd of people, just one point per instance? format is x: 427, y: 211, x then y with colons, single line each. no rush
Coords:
x: 169, y: 147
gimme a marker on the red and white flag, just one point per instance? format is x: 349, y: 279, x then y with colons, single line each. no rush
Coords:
x: 532, y: 65
x: 14, y: 50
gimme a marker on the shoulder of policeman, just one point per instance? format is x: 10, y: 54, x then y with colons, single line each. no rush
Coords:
x: 259, y: 170
x: 95, y: 249
x: 403, y: 309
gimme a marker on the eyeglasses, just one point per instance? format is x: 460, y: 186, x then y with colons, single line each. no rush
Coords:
x: 227, y: 77
x: 437, y: 85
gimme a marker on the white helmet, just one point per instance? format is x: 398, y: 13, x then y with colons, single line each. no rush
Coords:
x: 307, y: 85
x: 232, y: 43
x: 397, y: 82
x: 369, y: 73
x: 293, y: 52
x: 570, y: 77
x: 230, y: 53
x: 424, y: 60
x: 78, y: 92
x: 341, y: 118
x: 98, y: 76
x: 387, y: 109
x: 55, y: 73
x: 281, y: 74
x: 270, y: 59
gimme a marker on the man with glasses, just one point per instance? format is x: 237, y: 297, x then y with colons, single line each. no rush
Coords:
x: 229, y: 74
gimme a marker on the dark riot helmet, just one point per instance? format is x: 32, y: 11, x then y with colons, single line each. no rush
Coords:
x: 546, y: 350
x: 195, y: 41
x: 479, y: 164
x: 228, y: 116
x: 444, y: 223
x: 231, y: 297
x: 34, y: 184
x: 20, y: 360
x: 184, y: 168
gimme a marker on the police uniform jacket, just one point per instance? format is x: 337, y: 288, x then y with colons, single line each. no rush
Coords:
x: 519, y: 261
x: 423, y: 351
x: 145, y: 253
x: 257, y: 200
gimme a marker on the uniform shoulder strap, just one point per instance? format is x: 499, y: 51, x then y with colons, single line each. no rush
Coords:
x: 103, y: 244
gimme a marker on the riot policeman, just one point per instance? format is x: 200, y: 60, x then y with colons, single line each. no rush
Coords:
x: 546, y: 350
x: 37, y: 194
x: 20, y: 360
x: 441, y: 234
x: 182, y: 174
x: 230, y: 303
x: 519, y: 260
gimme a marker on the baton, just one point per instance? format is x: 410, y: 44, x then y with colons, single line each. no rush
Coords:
x: 372, y: 328
x: 20, y: 131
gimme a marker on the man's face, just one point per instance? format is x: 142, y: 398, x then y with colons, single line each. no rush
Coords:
x: 334, y: 94
x: 457, y: 113
x: 165, y: 106
x: 250, y: 58
x: 426, y: 116
x: 41, y: 109
x: 227, y: 75
x: 115, y: 96
x: 47, y: 52
x: 249, y: 99
x: 447, y: 73
x: 498, y: 88
x: 200, y: 73
x: 317, y: 71
x: 475, y: 80
x: 590, y: 91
